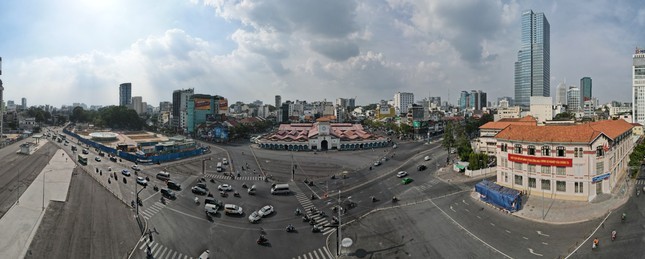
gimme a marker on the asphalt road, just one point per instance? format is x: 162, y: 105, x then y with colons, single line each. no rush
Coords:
x: 91, y: 224
x: 18, y: 171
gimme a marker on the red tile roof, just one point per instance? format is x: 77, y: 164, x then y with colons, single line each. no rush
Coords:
x: 582, y: 133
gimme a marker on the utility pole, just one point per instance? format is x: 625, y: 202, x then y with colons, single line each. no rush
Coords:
x: 339, y: 225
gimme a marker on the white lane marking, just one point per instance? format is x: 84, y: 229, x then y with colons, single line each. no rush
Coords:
x: 452, y: 209
x: 526, y: 238
x: 467, y: 210
x: 154, y: 247
x: 531, y: 250
x: 545, y: 243
x: 507, y: 231
x: 492, y: 224
x: 316, y: 254
x: 464, y: 201
x: 540, y: 233
x: 479, y: 217
x: 327, y: 252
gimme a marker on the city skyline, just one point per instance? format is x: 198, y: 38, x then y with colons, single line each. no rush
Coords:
x: 83, y: 50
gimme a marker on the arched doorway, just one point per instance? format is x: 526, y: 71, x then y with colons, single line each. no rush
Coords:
x: 324, y: 145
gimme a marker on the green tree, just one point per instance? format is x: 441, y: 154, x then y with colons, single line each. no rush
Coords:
x: 449, y: 140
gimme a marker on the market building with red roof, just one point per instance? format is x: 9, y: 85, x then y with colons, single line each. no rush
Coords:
x: 569, y: 162
x: 322, y: 135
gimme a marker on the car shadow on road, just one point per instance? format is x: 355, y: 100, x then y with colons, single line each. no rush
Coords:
x: 362, y: 253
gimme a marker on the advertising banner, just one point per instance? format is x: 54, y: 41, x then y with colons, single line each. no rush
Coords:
x: 202, y: 104
x: 533, y: 160
x: 223, y: 105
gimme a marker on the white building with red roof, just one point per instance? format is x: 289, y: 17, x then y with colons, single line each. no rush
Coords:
x: 322, y: 136
x: 572, y: 162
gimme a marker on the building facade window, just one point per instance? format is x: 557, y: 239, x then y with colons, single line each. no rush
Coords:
x: 518, y: 166
x: 600, y: 151
x: 561, y: 151
x: 578, y: 187
x: 531, y: 169
x: 600, y: 167
x: 504, y: 147
x: 518, y: 149
x: 546, y: 184
x: 545, y: 169
x: 546, y: 151
x: 531, y: 150
x: 518, y: 180
x: 561, y: 170
x: 532, y: 182
x: 561, y: 186
x: 577, y: 152
x: 506, y: 177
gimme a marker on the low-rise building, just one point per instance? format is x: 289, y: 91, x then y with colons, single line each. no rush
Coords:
x: 575, y: 162
x: 486, y: 143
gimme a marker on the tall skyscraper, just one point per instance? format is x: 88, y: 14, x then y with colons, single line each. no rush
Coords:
x: 585, y: 89
x: 179, y: 107
x: 403, y: 101
x: 278, y: 101
x: 24, y: 103
x: 561, y: 94
x: 532, y: 69
x: 638, y: 86
x: 573, y: 99
x: 125, y: 94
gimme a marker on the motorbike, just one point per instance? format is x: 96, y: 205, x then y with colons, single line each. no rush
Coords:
x: 163, y: 201
x: 223, y: 194
x: 212, y: 180
x: 290, y: 228
x: 298, y: 212
x: 395, y: 199
x: 312, y: 222
x: 595, y: 244
x: 322, y: 214
x: 623, y: 217
x: 236, y: 194
x: 262, y: 240
x: 334, y: 220
x: 613, y: 235
x: 315, y: 229
x: 374, y: 199
x: 305, y: 218
x: 197, y: 200
x: 244, y: 186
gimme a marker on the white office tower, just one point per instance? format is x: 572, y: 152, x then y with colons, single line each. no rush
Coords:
x: 638, y: 86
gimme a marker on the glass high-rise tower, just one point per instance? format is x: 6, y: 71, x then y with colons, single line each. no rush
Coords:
x: 585, y: 88
x: 125, y: 94
x: 532, y: 69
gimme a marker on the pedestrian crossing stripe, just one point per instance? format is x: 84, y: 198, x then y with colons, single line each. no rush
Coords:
x: 320, y: 253
x: 152, y: 210
x: 243, y: 178
x: 159, y: 251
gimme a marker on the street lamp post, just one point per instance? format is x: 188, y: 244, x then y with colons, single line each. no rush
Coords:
x: 339, y: 226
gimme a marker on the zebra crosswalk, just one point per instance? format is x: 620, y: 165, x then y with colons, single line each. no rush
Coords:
x: 427, y: 185
x: 243, y: 178
x: 320, y: 253
x: 640, y: 182
x: 310, y: 210
x: 152, y: 210
x: 159, y: 251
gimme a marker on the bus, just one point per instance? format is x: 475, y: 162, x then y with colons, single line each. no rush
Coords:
x: 219, y: 167
x: 82, y: 159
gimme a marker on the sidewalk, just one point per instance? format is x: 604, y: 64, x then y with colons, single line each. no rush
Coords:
x: 552, y: 211
x: 20, y: 223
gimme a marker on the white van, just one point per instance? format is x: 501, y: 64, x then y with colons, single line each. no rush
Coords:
x: 219, y: 167
x: 280, y: 189
x: 224, y: 161
x: 211, y: 208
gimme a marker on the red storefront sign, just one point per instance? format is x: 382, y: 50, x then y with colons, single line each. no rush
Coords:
x: 534, y: 160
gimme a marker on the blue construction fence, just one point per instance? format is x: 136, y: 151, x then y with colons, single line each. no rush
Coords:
x: 500, y: 196
x: 134, y: 157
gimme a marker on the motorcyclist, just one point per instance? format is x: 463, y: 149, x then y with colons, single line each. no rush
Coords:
x: 298, y: 211
x: 163, y: 200
x: 394, y: 198
x: 613, y: 235
x: 595, y: 243
x: 290, y: 227
x: 373, y: 199
x: 262, y: 239
x: 623, y: 216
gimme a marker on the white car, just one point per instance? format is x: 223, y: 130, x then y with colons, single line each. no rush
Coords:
x: 125, y: 172
x: 266, y: 210
x: 254, y: 217
x: 142, y: 181
x: 232, y: 209
x: 401, y: 174
x: 377, y: 163
x: 426, y: 158
x: 98, y: 159
x: 224, y: 187
x: 136, y: 168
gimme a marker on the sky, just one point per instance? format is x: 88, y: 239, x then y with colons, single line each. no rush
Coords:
x: 79, y: 51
